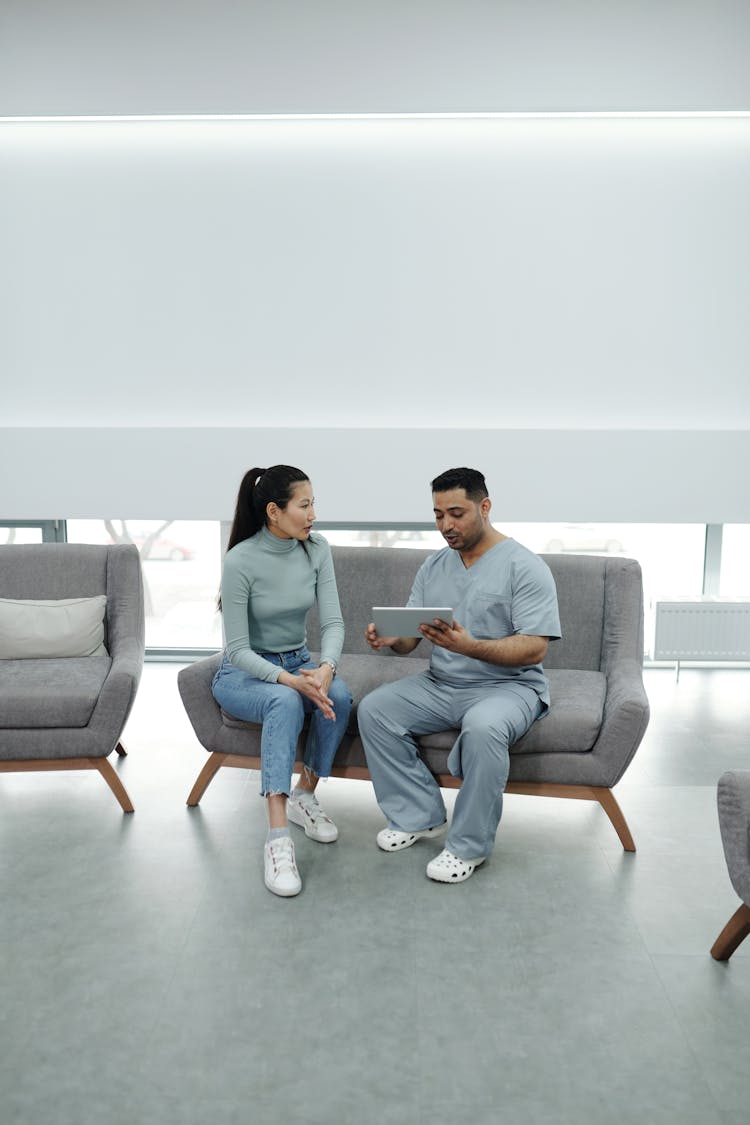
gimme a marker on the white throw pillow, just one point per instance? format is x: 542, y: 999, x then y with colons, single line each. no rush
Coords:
x: 69, y: 627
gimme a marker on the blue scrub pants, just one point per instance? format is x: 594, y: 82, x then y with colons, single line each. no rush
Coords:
x: 491, y: 717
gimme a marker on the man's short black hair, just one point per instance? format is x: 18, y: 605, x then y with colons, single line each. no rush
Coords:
x: 471, y: 480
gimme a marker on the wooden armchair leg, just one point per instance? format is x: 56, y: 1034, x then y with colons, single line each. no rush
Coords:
x: 735, y: 932
x: 205, y: 777
x: 110, y: 776
x: 121, y: 750
x: 608, y: 801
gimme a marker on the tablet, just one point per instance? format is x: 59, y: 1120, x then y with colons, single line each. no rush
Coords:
x: 404, y: 621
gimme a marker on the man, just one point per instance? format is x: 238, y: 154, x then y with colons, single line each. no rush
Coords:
x: 485, y: 677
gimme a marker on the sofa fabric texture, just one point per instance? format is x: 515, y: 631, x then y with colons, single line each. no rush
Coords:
x: 599, y: 709
x: 733, y: 800
x: 51, y: 693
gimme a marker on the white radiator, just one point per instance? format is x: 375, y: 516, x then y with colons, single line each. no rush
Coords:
x: 702, y: 630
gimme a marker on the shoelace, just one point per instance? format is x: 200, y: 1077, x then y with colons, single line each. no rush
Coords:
x: 282, y: 854
x: 312, y: 808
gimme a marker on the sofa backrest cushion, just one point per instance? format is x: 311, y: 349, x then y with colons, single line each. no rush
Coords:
x: 368, y: 576
x: 600, y: 600
x: 52, y: 570
x: 31, y: 629
x: 580, y: 582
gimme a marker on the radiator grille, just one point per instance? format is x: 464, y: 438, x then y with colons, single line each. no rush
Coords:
x: 714, y: 630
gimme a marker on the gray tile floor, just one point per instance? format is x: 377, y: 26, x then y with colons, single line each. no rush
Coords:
x: 149, y: 977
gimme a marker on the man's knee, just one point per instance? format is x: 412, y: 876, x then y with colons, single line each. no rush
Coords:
x: 482, y: 750
x: 367, y: 711
x: 376, y: 710
x: 496, y: 734
x: 499, y: 725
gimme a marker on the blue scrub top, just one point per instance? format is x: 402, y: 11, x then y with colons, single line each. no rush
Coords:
x: 508, y: 590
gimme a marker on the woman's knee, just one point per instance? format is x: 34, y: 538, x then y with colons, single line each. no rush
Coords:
x: 286, y: 703
x: 340, y: 694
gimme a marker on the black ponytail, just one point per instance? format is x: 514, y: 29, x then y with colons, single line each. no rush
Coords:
x: 259, y: 488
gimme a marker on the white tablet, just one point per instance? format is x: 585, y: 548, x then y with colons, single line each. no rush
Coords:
x: 404, y: 621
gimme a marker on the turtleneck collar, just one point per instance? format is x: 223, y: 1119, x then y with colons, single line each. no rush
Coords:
x: 273, y: 543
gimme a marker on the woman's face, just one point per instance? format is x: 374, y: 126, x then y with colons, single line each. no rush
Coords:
x: 296, y: 520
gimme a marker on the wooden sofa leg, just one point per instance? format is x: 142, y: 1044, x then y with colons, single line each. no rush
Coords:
x: 205, y: 777
x: 735, y: 932
x: 608, y: 801
x: 121, y: 750
x: 110, y: 776
x: 605, y: 797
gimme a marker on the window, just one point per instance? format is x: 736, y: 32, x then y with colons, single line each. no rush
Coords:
x: 31, y: 531
x: 671, y: 555
x: 181, y: 574
x: 735, y: 561
x: 182, y: 561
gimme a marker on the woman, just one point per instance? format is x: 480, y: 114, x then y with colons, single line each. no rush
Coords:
x: 274, y: 570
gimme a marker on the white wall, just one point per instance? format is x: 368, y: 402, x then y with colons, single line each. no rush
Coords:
x: 587, y: 279
x: 380, y: 476
x: 253, y: 56
x: 538, y: 274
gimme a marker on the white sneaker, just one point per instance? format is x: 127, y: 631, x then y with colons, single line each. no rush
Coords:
x: 448, y: 868
x: 307, y: 813
x: 281, y: 875
x: 393, y: 839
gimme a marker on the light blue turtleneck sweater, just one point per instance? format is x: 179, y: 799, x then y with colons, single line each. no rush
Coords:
x: 267, y: 586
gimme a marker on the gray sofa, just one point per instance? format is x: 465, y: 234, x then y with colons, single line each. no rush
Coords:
x: 67, y: 713
x: 733, y: 799
x: 599, y: 707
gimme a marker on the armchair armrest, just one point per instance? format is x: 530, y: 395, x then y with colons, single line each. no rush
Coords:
x: 194, y: 684
x: 117, y: 695
x: 626, y: 715
x: 733, y: 801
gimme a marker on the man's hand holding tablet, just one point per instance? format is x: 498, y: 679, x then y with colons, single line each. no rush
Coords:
x: 404, y: 621
x: 400, y: 627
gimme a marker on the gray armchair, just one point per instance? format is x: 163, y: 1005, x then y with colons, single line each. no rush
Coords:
x: 67, y: 713
x: 733, y: 798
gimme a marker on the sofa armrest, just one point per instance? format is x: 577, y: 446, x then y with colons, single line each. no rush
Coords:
x: 626, y: 715
x: 117, y: 696
x: 733, y: 801
x: 194, y: 684
x: 127, y: 658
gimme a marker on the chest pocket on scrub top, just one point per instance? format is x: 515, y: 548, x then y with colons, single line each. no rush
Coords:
x: 490, y: 617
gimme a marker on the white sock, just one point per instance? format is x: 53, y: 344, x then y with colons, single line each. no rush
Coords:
x: 277, y: 833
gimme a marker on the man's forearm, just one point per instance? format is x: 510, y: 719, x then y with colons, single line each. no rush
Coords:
x: 513, y: 652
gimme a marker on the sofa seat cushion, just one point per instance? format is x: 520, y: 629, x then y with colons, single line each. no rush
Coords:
x: 50, y: 693
x: 572, y: 724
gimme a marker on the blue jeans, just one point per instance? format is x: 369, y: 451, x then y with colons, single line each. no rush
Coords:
x: 282, y: 712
